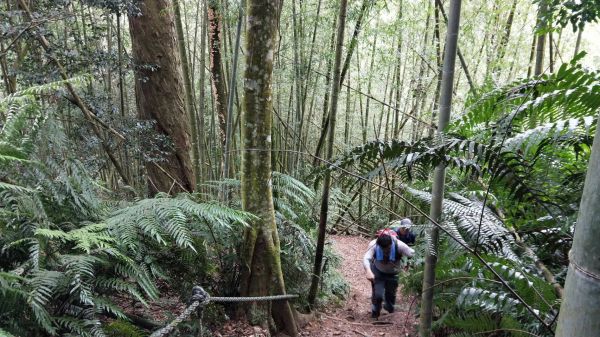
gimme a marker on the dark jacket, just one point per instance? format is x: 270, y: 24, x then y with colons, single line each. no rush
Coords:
x: 409, y: 238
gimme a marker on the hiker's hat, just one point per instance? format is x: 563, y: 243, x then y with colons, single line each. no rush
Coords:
x: 405, y: 223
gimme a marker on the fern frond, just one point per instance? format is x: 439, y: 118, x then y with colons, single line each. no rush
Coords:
x: 489, y: 301
x: 46, y: 88
x: 466, y: 217
x: 43, y: 285
x: 104, y: 305
x: 569, y: 128
x: 570, y: 92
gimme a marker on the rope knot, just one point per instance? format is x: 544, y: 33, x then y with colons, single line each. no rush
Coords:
x: 199, y: 295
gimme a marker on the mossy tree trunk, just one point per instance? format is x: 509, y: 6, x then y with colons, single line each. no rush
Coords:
x: 159, y: 93
x: 261, y: 264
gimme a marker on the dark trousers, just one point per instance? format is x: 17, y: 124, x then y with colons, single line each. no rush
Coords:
x: 384, y: 287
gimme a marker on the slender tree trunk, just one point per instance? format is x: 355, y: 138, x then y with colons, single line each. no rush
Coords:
x: 261, y: 264
x: 325, y: 119
x: 354, y: 41
x: 460, y: 56
x: 216, y: 66
x: 580, y: 310
x: 232, y: 89
x: 159, y: 95
x: 310, y: 54
x: 335, y: 90
x: 438, y: 59
x: 202, y: 151
x: 347, y: 113
x: 578, y: 42
x: 541, y: 41
x: 531, y: 56
x: 189, y: 99
x: 506, y: 36
x: 109, y: 48
x: 298, y: 100
x: 351, y: 47
x: 369, y: 84
x: 550, y: 52
x: 120, y: 61
x: 440, y: 171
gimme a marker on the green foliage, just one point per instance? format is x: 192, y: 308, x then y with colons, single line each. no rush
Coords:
x: 464, y: 219
x: 578, y: 13
x: 168, y: 220
x: 66, y: 253
x: 295, y: 205
x: 121, y: 328
x: 570, y: 92
x: 532, y: 137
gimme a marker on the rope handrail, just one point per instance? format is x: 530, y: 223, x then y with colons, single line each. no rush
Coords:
x: 200, y: 298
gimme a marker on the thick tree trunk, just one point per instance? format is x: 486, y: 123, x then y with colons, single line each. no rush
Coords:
x: 440, y: 171
x: 261, y: 264
x: 159, y: 94
x: 335, y: 90
x: 580, y: 307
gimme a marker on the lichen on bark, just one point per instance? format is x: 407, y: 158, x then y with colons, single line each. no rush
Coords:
x: 261, y: 263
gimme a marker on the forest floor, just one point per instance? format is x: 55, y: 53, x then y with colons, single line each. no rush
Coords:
x: 353, y: 317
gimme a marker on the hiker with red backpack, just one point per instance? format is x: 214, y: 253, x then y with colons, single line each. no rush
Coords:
x: 382, y: 263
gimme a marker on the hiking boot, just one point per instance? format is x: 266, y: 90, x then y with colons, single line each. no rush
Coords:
x: 389, y: 308
x: 375, y: 310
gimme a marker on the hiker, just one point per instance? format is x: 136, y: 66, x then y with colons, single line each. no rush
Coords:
x: 382, y: 263
x: 402, y: 229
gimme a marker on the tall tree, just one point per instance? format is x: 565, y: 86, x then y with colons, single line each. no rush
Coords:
x: 353, y: 42
x: 261, y: 264
x: 440, y: 171
x: 541, y: 39
x: 159, y: 93
x: 215, y: 28
x: 580, y: 307
x: 189, y: 96
x: 335, y: 91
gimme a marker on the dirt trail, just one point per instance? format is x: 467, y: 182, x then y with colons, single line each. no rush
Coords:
x: 354, y: 318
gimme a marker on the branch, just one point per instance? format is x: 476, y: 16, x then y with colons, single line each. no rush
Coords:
x: 92, y: 119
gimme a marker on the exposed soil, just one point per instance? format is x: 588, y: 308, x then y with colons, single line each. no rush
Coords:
x: 351, y: 318
x: 354, y: 318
